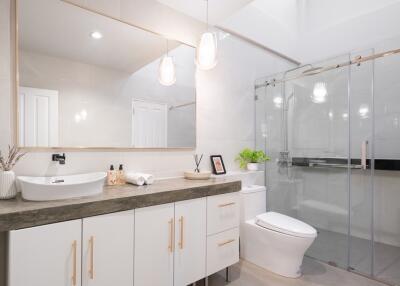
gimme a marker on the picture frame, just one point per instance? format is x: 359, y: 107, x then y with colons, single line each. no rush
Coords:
x: 218, y: 165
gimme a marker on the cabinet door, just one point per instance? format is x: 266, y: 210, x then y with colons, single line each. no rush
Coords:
x: 46, y: 255
x: 154, y: 246
x: 190, y: 241
x: 107, y: 249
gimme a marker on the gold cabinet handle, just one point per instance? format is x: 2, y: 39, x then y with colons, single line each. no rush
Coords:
x: 226, y: 205
x: 171, y: 235
x: 91, y: 266
x: 181, y: 238
x: 226, y: 242
x: 74, y: 250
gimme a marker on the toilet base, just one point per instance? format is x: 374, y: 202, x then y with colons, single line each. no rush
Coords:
x: 274, y: 251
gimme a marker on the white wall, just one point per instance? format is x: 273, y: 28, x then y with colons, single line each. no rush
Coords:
x: 86, y: 87
x: 5, y: 108
x: 5, y: 75
x: 106, y: 95
x: 225, y: 118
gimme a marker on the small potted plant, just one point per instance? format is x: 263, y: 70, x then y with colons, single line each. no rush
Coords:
x: 250, y: 159
x: 8, y: 189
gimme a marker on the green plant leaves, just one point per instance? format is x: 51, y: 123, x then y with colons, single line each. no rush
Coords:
x: 248, y: 155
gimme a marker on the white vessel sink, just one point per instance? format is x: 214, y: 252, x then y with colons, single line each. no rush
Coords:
x: 61, y: 187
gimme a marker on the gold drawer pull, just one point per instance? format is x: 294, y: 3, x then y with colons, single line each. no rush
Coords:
x: 226, y: 205
x: 74, y: 250
x: 226, y: 242
x: 181, y: 238
x: 171, y: 235
x: 91, y: 269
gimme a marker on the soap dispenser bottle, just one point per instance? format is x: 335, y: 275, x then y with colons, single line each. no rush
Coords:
x: 121, y: 175
x: 111, y: 176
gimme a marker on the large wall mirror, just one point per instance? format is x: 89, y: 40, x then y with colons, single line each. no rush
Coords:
x: 89, y: 81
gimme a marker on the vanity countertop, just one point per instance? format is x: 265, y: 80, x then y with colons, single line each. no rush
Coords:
x: 18, y: 213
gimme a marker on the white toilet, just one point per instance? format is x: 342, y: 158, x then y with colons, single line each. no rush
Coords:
x: 272, y: 240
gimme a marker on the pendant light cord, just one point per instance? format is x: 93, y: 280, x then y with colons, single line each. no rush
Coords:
x: 207, y: 16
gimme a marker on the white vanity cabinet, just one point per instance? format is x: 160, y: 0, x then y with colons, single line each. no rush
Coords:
x: 173, y: 244
x: 46, y: 255
x: 107, y: 249
x: 154, y: 246
x: 95, y: 251
x: 190, y: 241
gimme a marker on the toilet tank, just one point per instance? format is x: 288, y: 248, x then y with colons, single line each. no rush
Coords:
x: 253, y: 201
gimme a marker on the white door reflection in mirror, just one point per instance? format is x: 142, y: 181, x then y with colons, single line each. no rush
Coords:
x: 38, y: 117
x: 150, y: 121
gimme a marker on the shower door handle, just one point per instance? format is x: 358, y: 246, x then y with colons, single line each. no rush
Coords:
x: 364, y: 148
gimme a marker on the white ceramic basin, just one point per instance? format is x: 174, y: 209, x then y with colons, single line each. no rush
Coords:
x: 61, y: 187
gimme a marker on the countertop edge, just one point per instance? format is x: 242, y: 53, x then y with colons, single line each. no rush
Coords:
x: 79, y: 210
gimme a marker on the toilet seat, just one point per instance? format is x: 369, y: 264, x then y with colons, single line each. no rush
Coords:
x: 285, y: 224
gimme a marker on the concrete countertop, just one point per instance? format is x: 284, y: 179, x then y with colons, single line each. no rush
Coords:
x: 18, y: 213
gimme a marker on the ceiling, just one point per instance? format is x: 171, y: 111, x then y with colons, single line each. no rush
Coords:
x: 304, y: 30
x: 218, y: 9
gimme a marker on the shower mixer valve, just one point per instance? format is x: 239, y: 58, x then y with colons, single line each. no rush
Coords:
x: 284, y: 159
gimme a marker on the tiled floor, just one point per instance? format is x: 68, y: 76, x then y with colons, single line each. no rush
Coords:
x: 332, y: 247
x: 315, y: 274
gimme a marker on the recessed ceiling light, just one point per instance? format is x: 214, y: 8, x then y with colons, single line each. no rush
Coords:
x: 96, y: 35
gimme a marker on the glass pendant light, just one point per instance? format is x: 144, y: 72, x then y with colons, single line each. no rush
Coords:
x: 206, y: 57
x: 166, y: 70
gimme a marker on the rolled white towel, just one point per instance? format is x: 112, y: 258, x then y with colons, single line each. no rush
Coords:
x: 148, y: 178
x: 135, y: 179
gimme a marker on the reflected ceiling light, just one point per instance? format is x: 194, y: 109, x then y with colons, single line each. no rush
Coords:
x: 83, y: 114
x: 96, y: 35
x: 264, y: 130
x: 206, y: 53
x: 330, y: 114
x: 166, y: 70
x: 345, y: 116
x: 278, y: 101
x: 363, y: 111
x: 319, y: 92
x: 80, y: 116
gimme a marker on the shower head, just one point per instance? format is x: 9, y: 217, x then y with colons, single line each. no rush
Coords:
x: 313, y: 71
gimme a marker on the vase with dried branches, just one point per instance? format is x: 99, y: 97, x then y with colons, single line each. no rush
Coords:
x: 8, y: 189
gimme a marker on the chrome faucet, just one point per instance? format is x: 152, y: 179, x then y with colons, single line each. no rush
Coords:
x: 58, y: 158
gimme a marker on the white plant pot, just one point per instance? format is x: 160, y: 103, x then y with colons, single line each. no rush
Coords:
x: 8, y: 189
x: 252, y: 166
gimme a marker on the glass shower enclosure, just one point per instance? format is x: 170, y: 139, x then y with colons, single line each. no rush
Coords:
x: 332, y: 130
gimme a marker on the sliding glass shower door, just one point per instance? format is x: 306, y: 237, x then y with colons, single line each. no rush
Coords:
x: 333, y: 136
x: 361, y: 142
x: 386, y: 191
x: 308, y: 176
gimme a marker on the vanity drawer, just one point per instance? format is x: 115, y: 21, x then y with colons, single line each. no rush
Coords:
x: 222, y: 250
x: 222, y: 212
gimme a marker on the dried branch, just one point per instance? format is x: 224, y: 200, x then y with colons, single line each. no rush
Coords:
x: 14, y: 155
